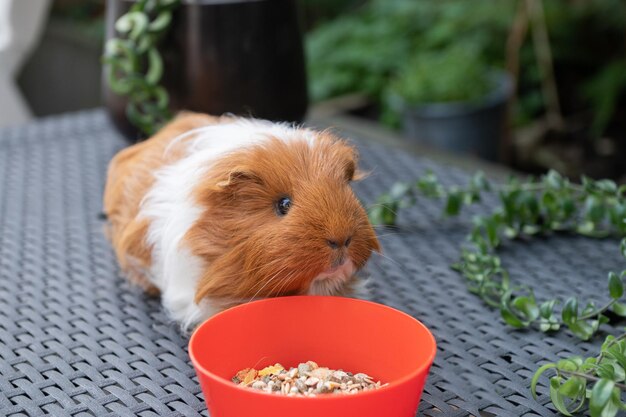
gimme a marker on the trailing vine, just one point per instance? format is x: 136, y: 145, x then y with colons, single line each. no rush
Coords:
x: 595, y: 381
x: 133, y: 64
x: 546, y: 205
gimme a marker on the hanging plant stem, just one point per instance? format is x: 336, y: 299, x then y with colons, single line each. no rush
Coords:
x: 133, y: 64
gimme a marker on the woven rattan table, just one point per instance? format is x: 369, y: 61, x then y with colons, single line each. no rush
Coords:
x: 77, y: 340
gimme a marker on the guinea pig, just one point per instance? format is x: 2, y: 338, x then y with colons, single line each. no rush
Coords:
x: 211, y: 212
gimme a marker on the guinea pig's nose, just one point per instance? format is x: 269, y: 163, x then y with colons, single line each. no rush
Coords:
x: 337, y: 243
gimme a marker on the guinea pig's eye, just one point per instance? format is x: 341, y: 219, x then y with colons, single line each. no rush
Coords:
x: 283, y: 205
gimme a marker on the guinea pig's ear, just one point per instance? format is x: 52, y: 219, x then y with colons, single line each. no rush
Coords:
x: 239, y: 176
x: 353, y: 173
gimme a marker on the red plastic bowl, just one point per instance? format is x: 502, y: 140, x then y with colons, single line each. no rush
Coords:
x: 339, y: 333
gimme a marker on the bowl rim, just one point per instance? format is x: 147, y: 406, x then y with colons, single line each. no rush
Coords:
x: 423, y: 367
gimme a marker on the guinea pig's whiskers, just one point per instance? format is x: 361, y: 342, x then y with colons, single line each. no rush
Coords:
x: 286, y: 280
x: 273, y: 277
x: 398, y: 264
x: 387, y: 234
x: 279, y: 285
x: 248, y: 271
x: 371, y: 206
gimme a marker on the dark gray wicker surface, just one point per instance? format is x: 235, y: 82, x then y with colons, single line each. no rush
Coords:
x: 76, y: 340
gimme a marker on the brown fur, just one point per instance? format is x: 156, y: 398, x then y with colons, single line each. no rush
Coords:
x: 130, y: 176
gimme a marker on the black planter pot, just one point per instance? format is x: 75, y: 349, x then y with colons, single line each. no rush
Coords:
x: 476, y: 128
x: 227, y: 56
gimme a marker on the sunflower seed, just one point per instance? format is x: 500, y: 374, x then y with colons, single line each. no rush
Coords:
x: 301, y: 386
x: 304, y: 368
x: 312, y: 381
x: 259, y: 385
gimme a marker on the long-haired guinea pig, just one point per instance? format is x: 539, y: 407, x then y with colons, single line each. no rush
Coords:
x: 215, y: 211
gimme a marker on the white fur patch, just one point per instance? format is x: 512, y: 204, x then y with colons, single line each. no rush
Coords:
x: 172, y: 212
x: 331, y: 283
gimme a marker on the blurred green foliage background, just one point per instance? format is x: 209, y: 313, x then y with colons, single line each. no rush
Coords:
x: 426, y: 50
x: 420, y: 51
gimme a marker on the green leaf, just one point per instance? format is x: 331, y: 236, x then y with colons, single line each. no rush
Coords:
x: 586, y: 228
x: 161, y: 22
x: 556, y: 397
x: 573, y: 387
x: 605, y: 370
x: 606, y: 185
x: 622, y: 247
x: 617, y: 214
x: 569, y: 314
x: 582, y: 329
x: 155, y: 67
x: 570, y: 364
x: 144, y: 121
x: 549, y: 326
x: 531, y: 205
x: 546, y: 308
x: 619, y: 357
x: 143, y: 44
x: 608, y: 342
x: 399, y: 190
x: 613, y: 406
x: 616, y: 287
x: 527, y: 307
x: 538, y: 373
x: 549, y: 321
x: 619, y: 372
x: 602, y: 319
x: 510, y: 232
x: 135, y: 23
x: 531, y: 229
x: 429, y: 185
x: 117, y: 84
x: 594, y: 209
x: 509, y: 202
x: 568, y: 208
x: 510, y: 318
x: 600, y: 396
x: 141, y: 5
x: 551, y: 209
x: 159, y: 93
x: 549, y: 199
x: 619, y: 309
x: 384, y: 212
x: 553, y: 179
x: 588, y: 183
x: 375, y: 215
x: 453, y: 204
x: 491, y: 227
x: 479, y: 182
x: 589, y: 308
x: 471, y: 197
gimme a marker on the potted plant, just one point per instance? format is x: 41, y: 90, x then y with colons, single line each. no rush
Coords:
x: 219, y: 56
x: 452, y: 99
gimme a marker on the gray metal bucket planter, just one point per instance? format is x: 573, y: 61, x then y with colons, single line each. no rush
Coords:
x: 475, y: 127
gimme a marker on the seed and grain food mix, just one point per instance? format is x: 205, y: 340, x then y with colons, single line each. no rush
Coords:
x: 307, y: 379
